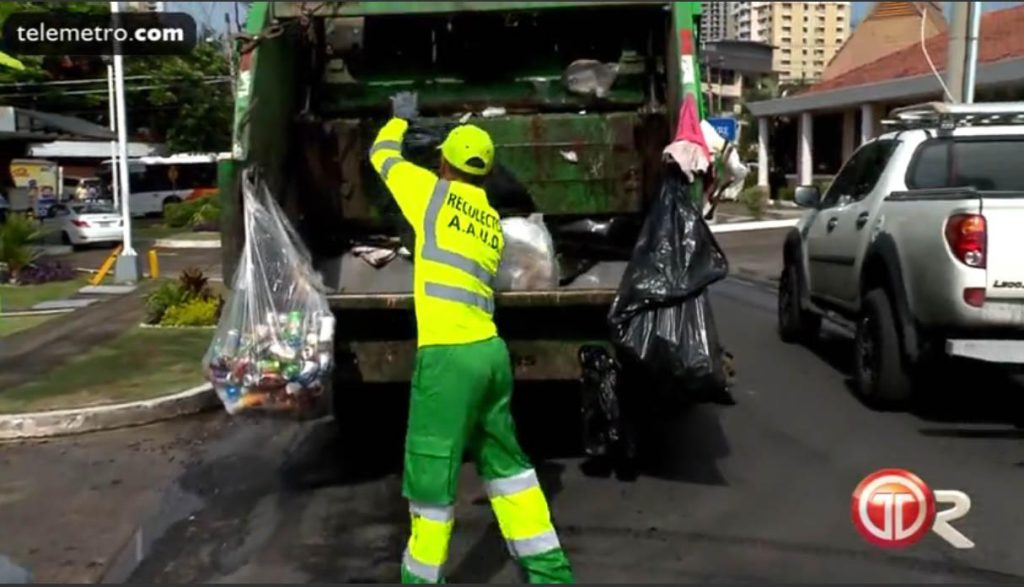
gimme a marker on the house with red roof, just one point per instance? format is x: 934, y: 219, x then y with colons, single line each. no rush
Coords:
x: 849, y: 107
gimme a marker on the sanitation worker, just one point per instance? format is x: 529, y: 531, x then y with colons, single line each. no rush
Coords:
x: 462, y: 384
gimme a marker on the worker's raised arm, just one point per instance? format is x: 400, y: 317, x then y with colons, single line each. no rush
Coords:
x: 409, y: 184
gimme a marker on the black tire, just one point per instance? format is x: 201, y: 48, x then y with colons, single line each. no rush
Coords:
x: 881, y: 376
x: 65, y: 238
x: 796, y: 324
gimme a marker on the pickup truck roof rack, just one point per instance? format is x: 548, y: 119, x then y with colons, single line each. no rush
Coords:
x: 949, y: 116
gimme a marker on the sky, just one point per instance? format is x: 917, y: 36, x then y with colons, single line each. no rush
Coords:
x: 860, y: 9
x: 209, y: 13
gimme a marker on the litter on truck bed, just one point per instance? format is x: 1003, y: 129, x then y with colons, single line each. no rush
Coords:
x: 528, y: 261
x: 274, y: 345
x: 587, y: 77
x: 661, y: 318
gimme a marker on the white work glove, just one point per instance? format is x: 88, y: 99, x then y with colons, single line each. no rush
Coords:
x: 405, y: 105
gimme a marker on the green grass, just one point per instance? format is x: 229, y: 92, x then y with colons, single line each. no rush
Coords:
x: 153, y: 231
x: 10, y: 325
x: 23, y: 297
x: 197, y: 236
x: 140, y: 364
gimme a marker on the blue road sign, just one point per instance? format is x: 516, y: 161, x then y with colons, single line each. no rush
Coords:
x: 725, y: 127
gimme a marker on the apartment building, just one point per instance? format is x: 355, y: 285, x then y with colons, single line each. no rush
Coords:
x: 715, y: 21
x: 806, y: 35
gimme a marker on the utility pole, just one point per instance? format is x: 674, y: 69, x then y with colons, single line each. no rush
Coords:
x: 112, y: 109
x: 971, y: 68
x: 962, y: 58
x: 957, y: 52
x: 127, y: 268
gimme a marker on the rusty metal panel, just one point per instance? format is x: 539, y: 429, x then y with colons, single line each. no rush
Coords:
x: 404, y: 301
x: 532, y: 360
x: 572, y: 163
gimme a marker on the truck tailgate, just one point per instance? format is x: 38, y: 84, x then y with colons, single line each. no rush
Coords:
x: 1004, y: 216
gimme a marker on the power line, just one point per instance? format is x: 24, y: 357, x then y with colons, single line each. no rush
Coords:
x: 72, y: 82
x: 211, y: 80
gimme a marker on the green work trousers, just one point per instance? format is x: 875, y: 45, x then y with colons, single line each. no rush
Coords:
x: 461, y: 396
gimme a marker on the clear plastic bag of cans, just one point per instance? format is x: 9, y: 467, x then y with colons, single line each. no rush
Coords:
x: 274, y: 346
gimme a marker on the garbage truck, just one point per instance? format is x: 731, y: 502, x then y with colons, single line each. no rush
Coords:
x: 581, y: 146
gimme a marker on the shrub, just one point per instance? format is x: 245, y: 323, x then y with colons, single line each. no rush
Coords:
x: 195, y: 284
x: 787, y: 193
x: 45, y: 272
x: 207, y: 215
x: 191, y: 286
x: 16, y: 236
x: 755, y: 199
x: 197, y: 312
x: 168, y: 295
x: 178, y: 215
x: 823, y: 185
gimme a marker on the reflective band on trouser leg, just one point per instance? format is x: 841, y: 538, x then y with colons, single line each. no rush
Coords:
x: 433, y: 252
x: 385, y: 146
x: 385, y: 167
x: 457, y: 294
x: 427, y: 550
x: 523, y: 515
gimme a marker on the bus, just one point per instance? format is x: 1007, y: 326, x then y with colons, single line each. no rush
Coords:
x: 156, y: 182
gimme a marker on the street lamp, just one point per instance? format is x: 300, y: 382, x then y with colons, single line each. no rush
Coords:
x: 127, y: 268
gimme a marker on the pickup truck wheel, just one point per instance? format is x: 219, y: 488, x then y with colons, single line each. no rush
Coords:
x: 879, y: 372
x: 795, y: 323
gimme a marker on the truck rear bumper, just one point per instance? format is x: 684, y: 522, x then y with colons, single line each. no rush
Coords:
x: 1009, y: 352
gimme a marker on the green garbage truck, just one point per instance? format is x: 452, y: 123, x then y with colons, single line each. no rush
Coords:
x: 313, y: 88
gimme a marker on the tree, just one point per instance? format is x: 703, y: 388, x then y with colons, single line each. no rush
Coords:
x: 184, y: 101
x: 187, y: 100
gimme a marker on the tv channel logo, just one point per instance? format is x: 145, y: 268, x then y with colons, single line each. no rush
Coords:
x: 894, y: 508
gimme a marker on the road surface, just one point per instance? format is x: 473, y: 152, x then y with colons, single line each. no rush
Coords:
x: 756, y: 492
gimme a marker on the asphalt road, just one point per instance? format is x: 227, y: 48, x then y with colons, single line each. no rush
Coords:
x: 756, y: 492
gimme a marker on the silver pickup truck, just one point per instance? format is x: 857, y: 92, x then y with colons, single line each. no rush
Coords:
x: 920, y: 242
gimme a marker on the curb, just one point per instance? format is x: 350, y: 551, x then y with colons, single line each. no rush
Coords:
x: 173, y: 243
x: 27, y: 313
x: 755, y: 225
x: 145, y: 326
x: 80, y: 420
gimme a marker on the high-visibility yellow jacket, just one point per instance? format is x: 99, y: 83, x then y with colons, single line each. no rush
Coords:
x: 458, y: 245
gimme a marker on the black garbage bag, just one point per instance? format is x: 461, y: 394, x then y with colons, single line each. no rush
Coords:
x: 607, y: 436
x: 661, y: 318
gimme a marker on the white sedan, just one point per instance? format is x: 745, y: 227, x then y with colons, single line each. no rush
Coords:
x: 86, y: 223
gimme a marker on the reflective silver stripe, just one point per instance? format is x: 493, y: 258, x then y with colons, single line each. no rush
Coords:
x: 432, y: 512
x: 385, y: 146
x: 513, y: 484
x: 432, y: 252
x: 538, y: 544
x: 390, y: 162
x: 457, y: 294
x: 429, y: 573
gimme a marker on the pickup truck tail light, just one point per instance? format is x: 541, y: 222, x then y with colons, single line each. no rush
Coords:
x: 966, y: 235
x: 80, y: 223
